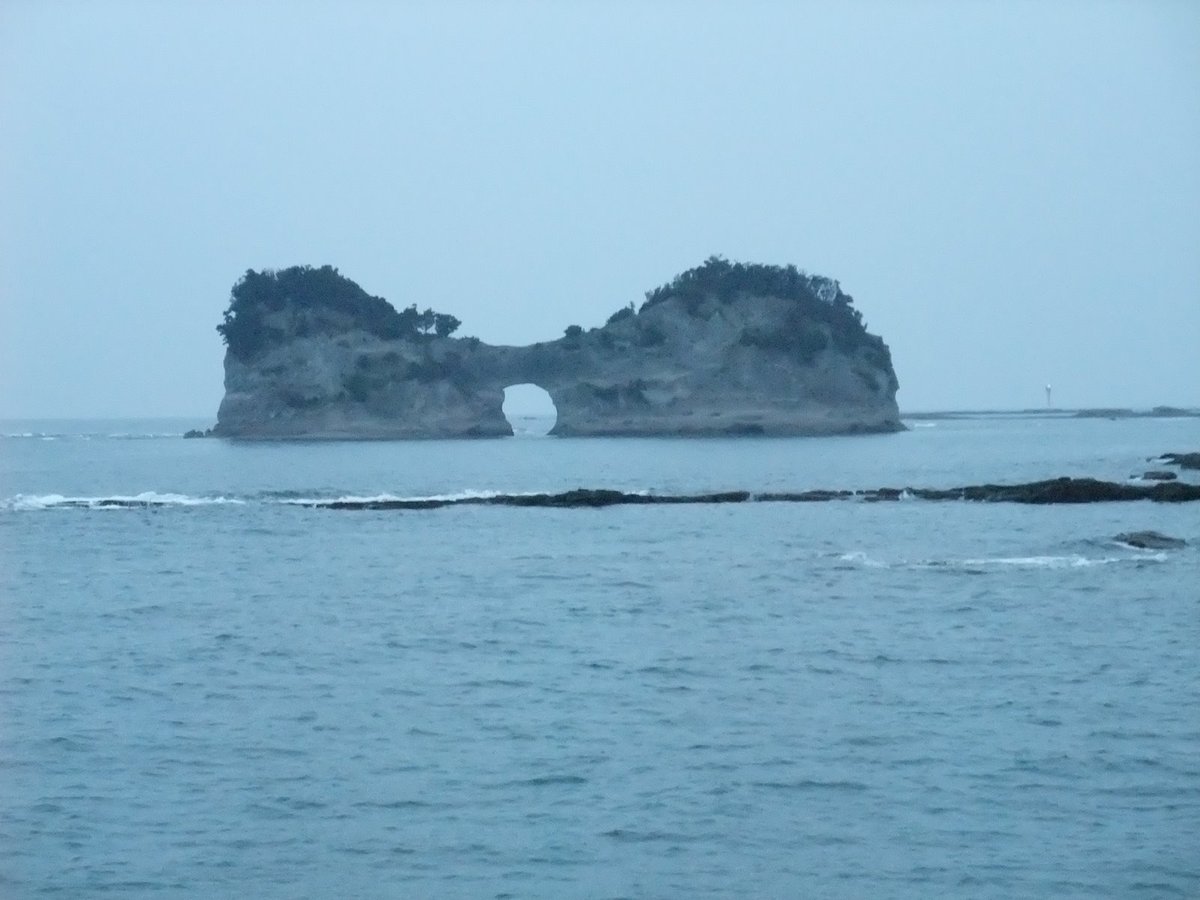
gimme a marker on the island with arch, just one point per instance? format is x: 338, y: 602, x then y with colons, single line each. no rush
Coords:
x: 722, y: 349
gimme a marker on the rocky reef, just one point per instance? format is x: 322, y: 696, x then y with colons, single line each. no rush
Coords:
x: 1054, y: 491
x: 725, y: 348
x: 1183, y: 460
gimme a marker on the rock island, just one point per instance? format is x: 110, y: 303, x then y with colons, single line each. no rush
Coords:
x: 722, y: 349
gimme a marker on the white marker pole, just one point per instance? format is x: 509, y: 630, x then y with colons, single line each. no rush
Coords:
x: 1048, y: 404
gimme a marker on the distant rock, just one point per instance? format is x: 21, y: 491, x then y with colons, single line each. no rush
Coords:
x: 1066, y: 490
x: 1158, y: 475
x: 1150, y: 540
x: 197, y: 433
x: 1105, y: 413
x: 1158, y: 412
x: 723, y: 349
x: 1183, y: 460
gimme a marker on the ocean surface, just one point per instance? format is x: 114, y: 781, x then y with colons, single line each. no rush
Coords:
x: 225, y: 693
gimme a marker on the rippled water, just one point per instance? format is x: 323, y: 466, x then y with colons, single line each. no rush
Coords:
x: 227, y: 694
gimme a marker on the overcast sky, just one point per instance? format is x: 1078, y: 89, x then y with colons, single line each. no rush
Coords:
x: 1010, y: 191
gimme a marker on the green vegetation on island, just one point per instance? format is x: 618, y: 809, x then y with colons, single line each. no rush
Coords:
x: 726, y: 281
x: 323, y: 300
x: 822, y: 313
x: 723, y: 348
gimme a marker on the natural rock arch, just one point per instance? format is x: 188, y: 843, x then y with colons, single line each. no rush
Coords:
x: 722, y: 349
x: 529, y: 409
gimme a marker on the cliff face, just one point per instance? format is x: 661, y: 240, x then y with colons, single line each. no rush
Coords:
x: 692, y: 361
x: 358, y: 386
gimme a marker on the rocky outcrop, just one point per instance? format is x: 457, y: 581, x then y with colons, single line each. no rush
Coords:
x: 722, y: 349
x: 1150, y: 540
x: 1053, y: 491
x: 1158, y: 475
x: 1183, y: 460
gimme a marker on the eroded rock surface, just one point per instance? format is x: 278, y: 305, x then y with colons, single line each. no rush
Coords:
x: 722, y: 349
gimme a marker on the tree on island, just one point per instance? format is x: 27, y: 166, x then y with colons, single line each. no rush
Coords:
x: 818, y: 300
x: 322, y: 293
x: 445, y: 324
x: 623, y: 313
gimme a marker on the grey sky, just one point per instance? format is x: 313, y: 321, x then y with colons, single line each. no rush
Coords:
x: 1011, y: 192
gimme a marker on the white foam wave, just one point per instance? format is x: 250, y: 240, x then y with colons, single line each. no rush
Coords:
x: 1041, y: 562
x: 1075, y: 561
x: 28, y: 502
x: 858, y: 558
x: 89, y: 435
x: 141, y: 436
x: 403, y: 498
x: 1038, y: 562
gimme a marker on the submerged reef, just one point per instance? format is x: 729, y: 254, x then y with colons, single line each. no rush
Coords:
x: 722, y: 349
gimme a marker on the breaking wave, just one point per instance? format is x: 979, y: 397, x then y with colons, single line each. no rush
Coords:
x: 1056, y: 491
x: 88, y: 435
x: 857, y: 559
x: 1071, y: 561
x: 144, y: 500
x: 351, y: 500
x: 155, y: 499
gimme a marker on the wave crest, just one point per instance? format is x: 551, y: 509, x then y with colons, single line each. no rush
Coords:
x: 144, y: 500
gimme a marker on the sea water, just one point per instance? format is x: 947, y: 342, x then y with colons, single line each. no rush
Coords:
x: 222, y: 692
